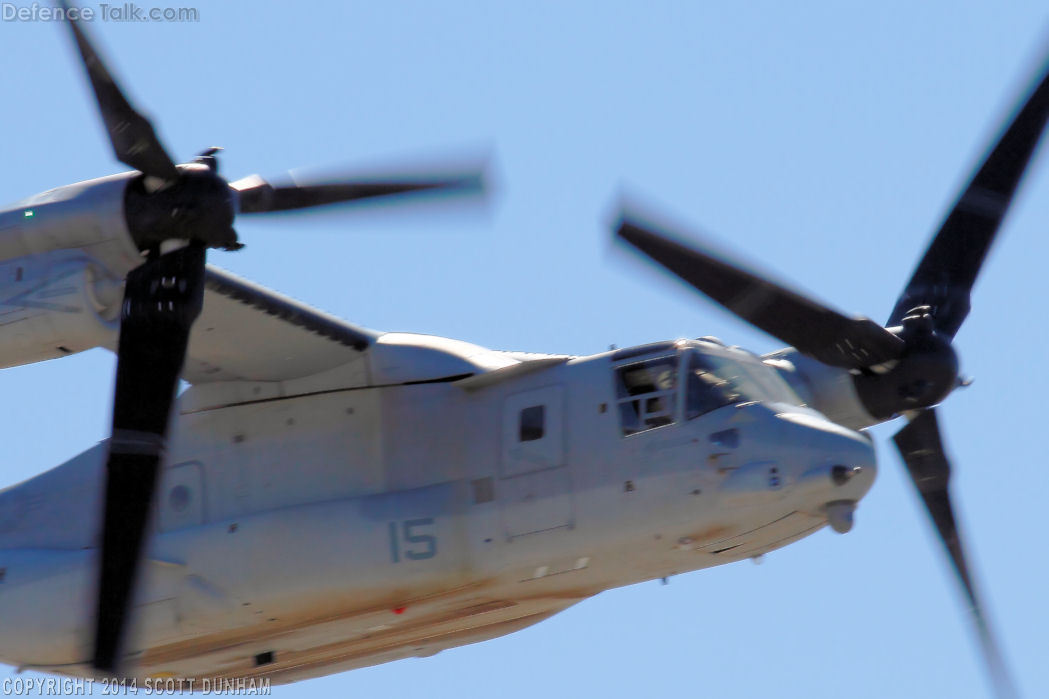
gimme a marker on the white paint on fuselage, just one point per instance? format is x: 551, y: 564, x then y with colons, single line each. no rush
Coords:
x: 354, y: 527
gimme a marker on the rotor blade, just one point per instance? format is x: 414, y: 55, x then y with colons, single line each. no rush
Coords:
x: 921, y: 447
x: 134, y: 142
x: 162, y: 298
x: 256, y: 195
x: 945, y: 276
x: 813, y: 329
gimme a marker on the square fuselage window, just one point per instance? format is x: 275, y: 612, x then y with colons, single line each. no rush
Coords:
x: 532, y: 420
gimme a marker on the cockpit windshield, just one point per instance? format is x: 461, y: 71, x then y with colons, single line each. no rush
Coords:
x: 714, y: 380
x: 647, y: 390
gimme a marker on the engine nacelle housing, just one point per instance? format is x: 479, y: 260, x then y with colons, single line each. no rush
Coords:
x: 55, y: 305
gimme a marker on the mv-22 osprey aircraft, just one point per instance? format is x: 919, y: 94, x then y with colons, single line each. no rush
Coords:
x: 325, y: 497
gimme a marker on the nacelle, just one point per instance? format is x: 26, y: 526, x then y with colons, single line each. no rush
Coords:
x: 830, y: 390
x: 62, y: 255
x: 87, y: 215
x: 54, y: 305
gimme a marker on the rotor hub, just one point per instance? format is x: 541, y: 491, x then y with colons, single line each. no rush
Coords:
x: 198, y: 206
x: 924, y: 375
x: 919, y: 320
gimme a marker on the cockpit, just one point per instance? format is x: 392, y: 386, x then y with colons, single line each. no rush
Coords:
x: 660, y: 385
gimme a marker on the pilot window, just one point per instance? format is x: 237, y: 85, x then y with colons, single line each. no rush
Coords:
x: 646, y: 393
x: 532, y: 422
x: 707, y: 388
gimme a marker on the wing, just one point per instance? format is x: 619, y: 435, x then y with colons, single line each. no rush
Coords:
x: 249, y: 333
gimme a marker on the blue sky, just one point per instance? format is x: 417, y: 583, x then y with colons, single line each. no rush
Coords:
x: 824, y: 143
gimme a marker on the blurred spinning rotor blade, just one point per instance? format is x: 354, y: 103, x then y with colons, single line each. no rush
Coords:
x: 921, y: 446
x: 162, y: 299
x: 810, y: 327
x: 134, y: 141
x: 944, y: 278
x: 256, y: 195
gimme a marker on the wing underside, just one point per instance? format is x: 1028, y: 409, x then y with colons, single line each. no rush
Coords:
x: 249, y: 333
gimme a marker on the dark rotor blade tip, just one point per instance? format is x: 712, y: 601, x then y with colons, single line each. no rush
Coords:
x: 131, y: 135
x: 642, y: 238
x: 944, y: 277
x: 920, y: 444
x: 258, y: 196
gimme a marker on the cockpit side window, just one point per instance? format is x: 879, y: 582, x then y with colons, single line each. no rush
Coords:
x: 647, y: 393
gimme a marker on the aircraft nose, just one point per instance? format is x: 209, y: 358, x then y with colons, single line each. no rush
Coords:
x: 839, y: 466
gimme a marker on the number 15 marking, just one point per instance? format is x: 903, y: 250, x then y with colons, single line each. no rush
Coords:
x: 415, y: 545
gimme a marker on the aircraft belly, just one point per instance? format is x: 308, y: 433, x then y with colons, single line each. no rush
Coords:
x: 360, y: 639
